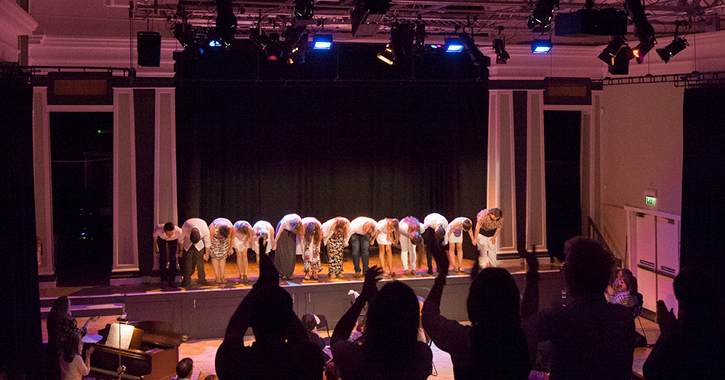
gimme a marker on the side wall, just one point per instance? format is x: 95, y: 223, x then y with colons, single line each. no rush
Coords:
x: 641, y: 148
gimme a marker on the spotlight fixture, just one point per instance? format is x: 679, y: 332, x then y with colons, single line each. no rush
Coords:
x: 478, y: 58
x: 387, y: 55
x: 268, y: 43
x: 502, y: 56
x: 643, y: 30
x: 322, y: 42
x: 295, y: 44
x: 540, y: 19
x: 677, y: 45
x: 304, y: 9
x: 619, y: 64
x: 612, y: 49
x: 419, y: 41
x: 540, y: 46
x: 226, y: 21
x: 454, y: 45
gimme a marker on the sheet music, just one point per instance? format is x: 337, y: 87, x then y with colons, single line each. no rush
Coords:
x: 126, y: 334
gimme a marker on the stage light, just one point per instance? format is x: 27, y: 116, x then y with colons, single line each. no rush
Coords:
x: 419, y: 42
x: 322, y: 42
x: 270, y: 44
x: 612, y: 49
x: 677, y: 45
x: 619, y: 64
x: 214, y: 43
x: 304, y: 9
x: 387, y: 55
x: 643, y: 30
x: 183, y: 33
x: 541, y: 46
x: 502, y: 56
x: 454, y: 45
x: 295, y: 45
x: 540, y: 19
x: 478, y: 58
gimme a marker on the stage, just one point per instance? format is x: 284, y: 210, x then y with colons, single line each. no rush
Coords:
x: 203, y: 312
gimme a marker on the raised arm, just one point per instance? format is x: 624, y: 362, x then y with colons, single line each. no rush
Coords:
x: 530, y: 300
x: 347, y: 322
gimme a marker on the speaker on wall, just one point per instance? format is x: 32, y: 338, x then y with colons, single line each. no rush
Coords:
x: 148, y: 46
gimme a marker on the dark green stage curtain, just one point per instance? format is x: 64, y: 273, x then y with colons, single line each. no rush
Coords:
x: 325, y: 149
x: 703, y: 182
x: 20, y: 337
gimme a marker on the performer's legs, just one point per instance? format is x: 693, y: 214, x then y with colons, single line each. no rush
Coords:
x: 162, y: 247
x: 171, y: 270
x: 404, y: 247
x: 413, y: 259
x: 355, y: 241
x: 242, y: 264
x: 188, y: 262
x: 365, y: 252
x: 429, y: 259
x: 199, y: 261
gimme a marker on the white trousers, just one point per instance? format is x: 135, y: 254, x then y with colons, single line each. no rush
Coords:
x: 486, y: 252
x: 407, y: 247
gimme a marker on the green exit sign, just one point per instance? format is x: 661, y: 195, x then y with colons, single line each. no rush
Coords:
x: 650, y: 200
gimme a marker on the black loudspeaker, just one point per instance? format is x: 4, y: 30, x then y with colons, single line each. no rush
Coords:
x: 148, y: 46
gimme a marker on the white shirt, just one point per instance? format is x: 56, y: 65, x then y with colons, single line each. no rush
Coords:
x: 300, y: 248
x: 259, y: 229
x: 74, y: 370
x: 328, y: 228
x: 435, y: 219
x: 403, y: 228
x: 357, y: 224
x: 203, y: 231
x: 161, y: 234
x: 285, y: 222
x: 240, y: 242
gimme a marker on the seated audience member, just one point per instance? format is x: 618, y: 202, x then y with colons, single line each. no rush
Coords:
x: 389, y: 346
x: 625, y: 288
x: 72, y: 365
x: 184, y: 369
x: 691, y: 346
x: 282, y: 349
x: 592, y: 339
x: 310, y: 322
x: 494, y: 345
x: 60, y: 324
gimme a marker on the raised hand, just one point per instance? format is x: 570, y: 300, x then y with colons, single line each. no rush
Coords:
x: 268, y: 273
x: 442, y: 261
x: 370, y: 286
x: 665, y: 318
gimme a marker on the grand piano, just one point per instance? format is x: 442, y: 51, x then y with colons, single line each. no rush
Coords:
x: 149, y: 351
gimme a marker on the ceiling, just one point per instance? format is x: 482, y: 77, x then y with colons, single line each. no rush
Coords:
x: 483, y: 18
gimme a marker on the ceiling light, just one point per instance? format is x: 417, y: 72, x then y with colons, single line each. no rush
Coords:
x: 677, y: 45
x: 643, y: 30
x: 541, y: 46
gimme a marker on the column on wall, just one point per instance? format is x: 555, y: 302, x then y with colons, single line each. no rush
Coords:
x: 165, y: 209
x: 125, y: 241
x: 509, y: 112
x: 43, y: 180
x: 591, y: 176
x: 501, y: 182
x: 535, y: 175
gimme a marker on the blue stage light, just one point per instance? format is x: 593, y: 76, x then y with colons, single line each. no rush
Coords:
x: 322, y: 42
x: 541, y: 46
x: 214, y: 43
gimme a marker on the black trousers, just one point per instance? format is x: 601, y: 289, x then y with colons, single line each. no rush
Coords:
x: 167, y: 259
x: 194, y: 260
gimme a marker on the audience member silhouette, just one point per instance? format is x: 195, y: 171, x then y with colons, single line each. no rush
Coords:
x: 184, y: 369
x: 281, y: 349
x: 494, y: 345
x: 691, y: 346
x: 592, y: 339
x: 389, y: 346
x: 625, y: 288
x: 310, y: 322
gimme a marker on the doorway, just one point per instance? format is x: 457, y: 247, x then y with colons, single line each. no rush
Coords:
x: 562, y: 142
x: 82, y: 181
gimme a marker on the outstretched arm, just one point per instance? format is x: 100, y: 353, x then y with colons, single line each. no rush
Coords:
x: 530, y: 301
x: 347, y: 322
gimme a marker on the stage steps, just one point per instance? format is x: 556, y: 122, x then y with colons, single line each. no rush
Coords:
x: 87, y: 306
